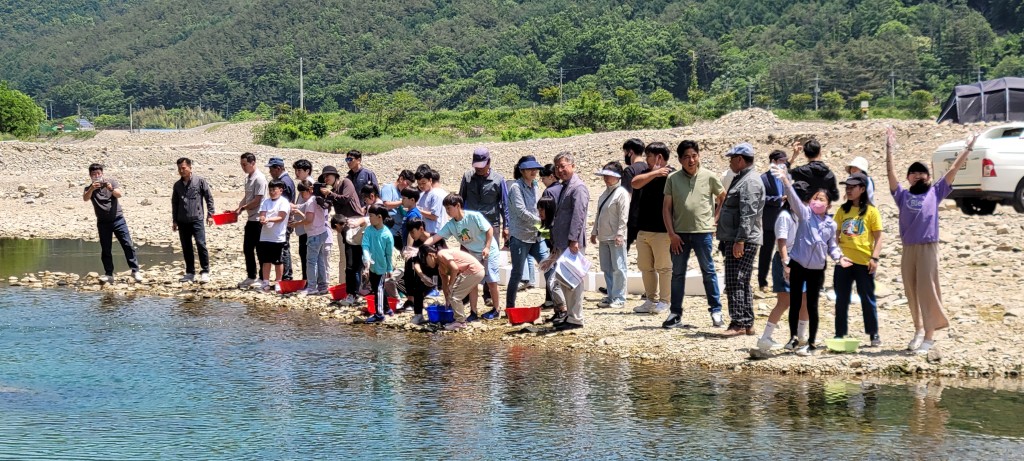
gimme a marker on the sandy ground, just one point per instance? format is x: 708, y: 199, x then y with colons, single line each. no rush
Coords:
x: 41, y: 184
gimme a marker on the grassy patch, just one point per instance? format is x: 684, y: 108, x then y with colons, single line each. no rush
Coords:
x: 216, y: 127
x: 344, y: 143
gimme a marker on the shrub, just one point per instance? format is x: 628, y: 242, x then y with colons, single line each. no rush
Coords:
x: 19, y: 114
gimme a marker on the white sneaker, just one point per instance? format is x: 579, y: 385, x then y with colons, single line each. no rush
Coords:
x: 418, y: 320
x: 793, y: 344
x: 137, y: 276
x: 803, y: 351
x: 247, y: 283
x: 187, y: 278
x: 915, y: 343
x: 258, y: 285
x: 307, y: 292
x: 106, y: 279
x: 617, y: 305
x: 204, y: 277
x: 348, y: 301
x: 646, y: 308
x: 766, y: 344
x: 660, y: 307
x: 926, y: 346
x: 716, y: 320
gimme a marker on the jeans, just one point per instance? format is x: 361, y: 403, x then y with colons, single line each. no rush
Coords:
x: 249, y: 242
x: 187, y: 231
x: 843, y: 279
x: 316, y: 256
x: 519, y: 250
x: 303, y: 239
x: 613, y: 264
x: 702, y: 246
x: 108, y: 230
x: 286, y: 254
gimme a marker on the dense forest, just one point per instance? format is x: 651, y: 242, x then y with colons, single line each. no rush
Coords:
x: 231, y: 55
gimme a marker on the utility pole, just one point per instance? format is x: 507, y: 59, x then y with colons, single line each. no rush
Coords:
x: 892, y: 79
x: 131, y: 119
x: 817, y: 89
x: 561, y: 75
x: 750, y: 96
x: 979, y: 74
x: 302, y: 93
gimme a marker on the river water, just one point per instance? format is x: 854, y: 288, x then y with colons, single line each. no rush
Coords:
x: 93, y: 376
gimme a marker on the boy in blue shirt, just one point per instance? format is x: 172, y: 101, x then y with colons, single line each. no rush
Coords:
x: 476, y: 235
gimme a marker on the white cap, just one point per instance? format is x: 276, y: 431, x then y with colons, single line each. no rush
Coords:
x: 860, y: 162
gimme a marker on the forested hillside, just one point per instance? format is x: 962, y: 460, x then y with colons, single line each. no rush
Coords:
x: 230, y: 55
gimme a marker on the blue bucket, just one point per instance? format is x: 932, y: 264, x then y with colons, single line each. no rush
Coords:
x: 440, y: 314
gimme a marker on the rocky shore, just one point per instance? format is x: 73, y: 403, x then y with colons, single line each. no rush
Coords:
x: 41, y: 184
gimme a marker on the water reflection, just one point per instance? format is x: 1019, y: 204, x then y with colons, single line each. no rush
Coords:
x: 141, y: 378
x: 21, y: 256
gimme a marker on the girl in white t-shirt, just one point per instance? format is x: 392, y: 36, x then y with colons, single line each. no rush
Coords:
x: 785, y: 230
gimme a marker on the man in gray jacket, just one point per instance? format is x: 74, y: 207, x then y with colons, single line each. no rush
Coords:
x: 568, y: 231
x: 188, y: 216
x: 739, y: 234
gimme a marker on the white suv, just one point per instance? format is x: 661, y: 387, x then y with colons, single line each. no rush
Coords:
x: 994, y: 171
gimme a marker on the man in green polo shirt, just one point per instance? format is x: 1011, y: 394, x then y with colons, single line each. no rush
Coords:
x: 691, y: 195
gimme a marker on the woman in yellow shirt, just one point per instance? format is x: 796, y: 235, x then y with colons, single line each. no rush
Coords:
x: 860, y: 239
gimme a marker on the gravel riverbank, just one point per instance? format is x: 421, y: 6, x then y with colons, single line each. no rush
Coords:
x: 41, y: 184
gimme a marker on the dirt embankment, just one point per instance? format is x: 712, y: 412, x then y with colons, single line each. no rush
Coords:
x: 983, y: 285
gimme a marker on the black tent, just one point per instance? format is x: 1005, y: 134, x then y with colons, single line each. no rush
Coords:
x: 999, y: 100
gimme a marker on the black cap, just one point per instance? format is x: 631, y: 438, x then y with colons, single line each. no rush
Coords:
x: 801, y: 188
x: 918, y: 167
x: 856, y: 179
x: 326, y: 171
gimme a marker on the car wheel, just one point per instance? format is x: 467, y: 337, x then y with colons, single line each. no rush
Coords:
x: 967, y: 206
x: 1018, y: 197
x: 986, y: 207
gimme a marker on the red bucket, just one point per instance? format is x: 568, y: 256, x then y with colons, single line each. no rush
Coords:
x: 290, y: 286
x: 517, y: 315
x: 225, y: 218
x: 337, y: 292
x: 371, y: 303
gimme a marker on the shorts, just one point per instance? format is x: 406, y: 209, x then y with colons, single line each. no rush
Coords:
x: 269, y: 252
x: 491, y: 274
x: 779, y: 282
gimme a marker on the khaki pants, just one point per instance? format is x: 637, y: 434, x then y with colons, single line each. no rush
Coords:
x: 464, y: 285
x: 920, y: 267
x: 655, y: 263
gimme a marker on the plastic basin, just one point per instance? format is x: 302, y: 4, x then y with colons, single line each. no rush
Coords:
x: 225, y: 218
x: 842, y: 344
x: 337, y: 292
x: 371, y: 303
x: 440, y: 314
x: 517, y: 315
x: 290, y: 286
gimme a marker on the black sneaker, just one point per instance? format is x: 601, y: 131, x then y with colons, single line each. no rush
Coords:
x: 523, y: 286
x: 673, y: 321
x: 558, y: 317
x: 603, y: 290
x: 472, y: 317
x: 563, y: 326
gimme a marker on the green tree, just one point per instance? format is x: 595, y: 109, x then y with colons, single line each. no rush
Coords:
x: 19, y: 114
x: 799, y: 101
x: 661, y: 97
x: 920, y: 102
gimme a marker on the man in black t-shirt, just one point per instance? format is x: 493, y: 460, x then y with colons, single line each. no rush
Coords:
x: 652, y: 240
x: 633, y: 152
x: 104, y: 194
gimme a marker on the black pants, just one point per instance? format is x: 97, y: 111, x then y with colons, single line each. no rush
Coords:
x: 815, y: 278
x: 764, y: 258
x: 353, y: 267
x: 187, y: 231
x: 415, y: 289
x: 286, y: 255
x: 251, y: 238
x: 379, y: 293
x: 108, y: 230
x: 302, y: 254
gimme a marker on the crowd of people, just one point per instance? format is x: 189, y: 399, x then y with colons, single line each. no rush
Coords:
x: 780, y: 222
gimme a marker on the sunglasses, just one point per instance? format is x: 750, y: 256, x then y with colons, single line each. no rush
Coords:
x: 349, y: 159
